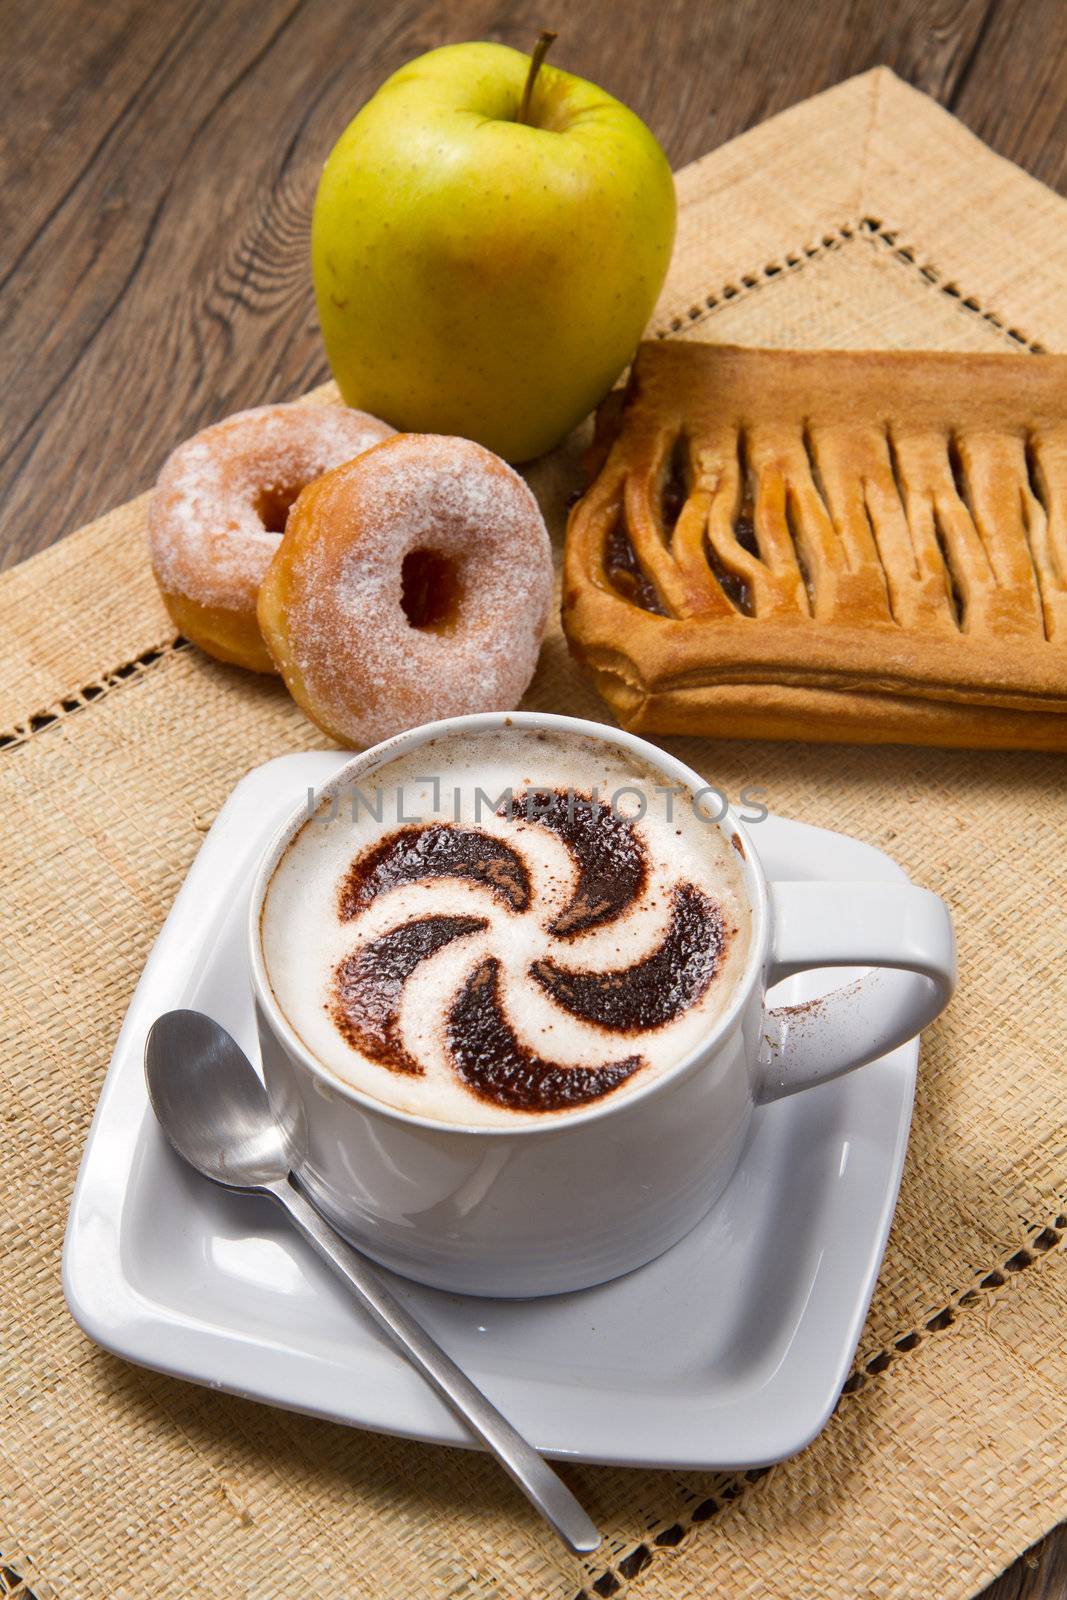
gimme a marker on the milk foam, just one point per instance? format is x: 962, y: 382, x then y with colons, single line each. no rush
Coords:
x: 305, y: 940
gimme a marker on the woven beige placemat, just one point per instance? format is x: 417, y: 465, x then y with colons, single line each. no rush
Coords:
x: 865, y: 217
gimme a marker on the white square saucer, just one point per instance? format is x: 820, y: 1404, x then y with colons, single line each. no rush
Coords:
x: 729, y: 1351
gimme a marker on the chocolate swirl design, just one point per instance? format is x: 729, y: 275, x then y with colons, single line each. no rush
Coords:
x: 610, y: 857
x: 496, y: 1066
x: 415, y: 854
x: 488, y: 1057
x: 368, y: 986
x: 654, y: 991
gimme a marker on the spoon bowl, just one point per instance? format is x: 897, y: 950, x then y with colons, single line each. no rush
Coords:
x: 211, y: 1104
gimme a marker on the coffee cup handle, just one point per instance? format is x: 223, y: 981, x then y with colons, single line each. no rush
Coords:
x: 902, y: 931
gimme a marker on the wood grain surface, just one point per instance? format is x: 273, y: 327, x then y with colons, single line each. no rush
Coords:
x: 158, y: 160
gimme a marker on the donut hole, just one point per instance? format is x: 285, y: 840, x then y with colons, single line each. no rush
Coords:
x: 429, y: 590
x: 273, y: 502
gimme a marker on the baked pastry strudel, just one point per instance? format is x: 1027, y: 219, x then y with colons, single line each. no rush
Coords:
x: 831, y: 545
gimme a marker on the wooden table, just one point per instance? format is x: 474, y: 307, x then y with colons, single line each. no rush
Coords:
x: 160, y: 156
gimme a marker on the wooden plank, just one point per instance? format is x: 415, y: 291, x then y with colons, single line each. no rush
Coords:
x: 167, y: 284
x: 1015, y: 98
x: 62, y: 89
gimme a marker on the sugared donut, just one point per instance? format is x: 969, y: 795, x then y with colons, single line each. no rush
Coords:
x: 412, y: 583
x: 219, y: 508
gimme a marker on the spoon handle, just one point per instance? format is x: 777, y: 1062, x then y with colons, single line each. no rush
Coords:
x: 538, y: 1482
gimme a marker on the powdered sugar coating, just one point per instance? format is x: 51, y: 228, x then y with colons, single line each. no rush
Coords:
x: 207, y: 537
x: 358, y: 659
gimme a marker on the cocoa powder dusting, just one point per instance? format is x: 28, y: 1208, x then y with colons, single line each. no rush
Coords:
x: 368, y: 986
x: 611, y: 860
x: 496, y: 1066
x: 437, y: 850
x: 652, y: 992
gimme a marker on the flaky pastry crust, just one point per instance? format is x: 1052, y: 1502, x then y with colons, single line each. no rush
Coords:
x: 832, y: 545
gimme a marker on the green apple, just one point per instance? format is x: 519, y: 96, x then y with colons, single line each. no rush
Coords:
x: 485, y: 260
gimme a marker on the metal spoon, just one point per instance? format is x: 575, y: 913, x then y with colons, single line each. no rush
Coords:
x: 214, y: 1110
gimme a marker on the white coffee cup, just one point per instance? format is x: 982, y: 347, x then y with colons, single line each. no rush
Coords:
x: 584, y: 1195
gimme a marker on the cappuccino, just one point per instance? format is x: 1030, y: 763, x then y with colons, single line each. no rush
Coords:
x: 501, y: 926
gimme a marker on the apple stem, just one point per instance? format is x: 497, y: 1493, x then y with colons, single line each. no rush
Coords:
x: 545, y: 41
